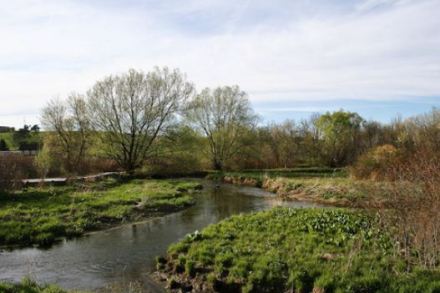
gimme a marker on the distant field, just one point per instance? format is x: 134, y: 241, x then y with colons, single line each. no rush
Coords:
x: 7, y: 136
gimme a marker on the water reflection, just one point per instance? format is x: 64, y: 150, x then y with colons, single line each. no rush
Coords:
x: 125, y: 254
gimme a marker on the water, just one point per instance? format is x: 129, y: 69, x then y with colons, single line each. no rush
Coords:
x: 126, y: 254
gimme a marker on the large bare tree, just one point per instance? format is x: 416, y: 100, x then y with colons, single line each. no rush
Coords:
x: 131, y: 110
x: 70, y: 123
x: 223, y: 115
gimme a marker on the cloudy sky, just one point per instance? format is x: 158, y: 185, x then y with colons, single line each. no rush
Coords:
x: 294, y: 57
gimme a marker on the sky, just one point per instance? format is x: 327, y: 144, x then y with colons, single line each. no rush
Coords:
x: 380, y: 58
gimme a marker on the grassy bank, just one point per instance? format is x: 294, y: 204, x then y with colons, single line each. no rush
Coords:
x: 41, y: 215
x: 28, y: 286
x: 301, y: 172
x: 321, y: 185
x: 288, y: 250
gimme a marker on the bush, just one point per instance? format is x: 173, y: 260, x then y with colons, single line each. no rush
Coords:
x: 13, y: 168
x: 412, y: 208
x: 375, y: 163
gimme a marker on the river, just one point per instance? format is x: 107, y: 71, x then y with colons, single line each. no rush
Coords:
x: 126, y: 254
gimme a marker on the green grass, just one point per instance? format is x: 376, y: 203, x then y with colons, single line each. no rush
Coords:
x: 28, y: 286
x: 41, y: 215
x: 284, y: 249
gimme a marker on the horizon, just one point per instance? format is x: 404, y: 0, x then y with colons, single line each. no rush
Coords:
x: 379, y: 58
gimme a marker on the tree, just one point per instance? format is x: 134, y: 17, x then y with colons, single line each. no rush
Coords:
x: 223, y: 115
x: 22, y: 136
x: 35, y: 128
x: 338, y: 133
x: 3, y: 145
x: 131, y: 110
x: 70, y: 124
x: 178, y: 152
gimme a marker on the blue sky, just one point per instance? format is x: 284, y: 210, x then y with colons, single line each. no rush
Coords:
x: 380, y: 58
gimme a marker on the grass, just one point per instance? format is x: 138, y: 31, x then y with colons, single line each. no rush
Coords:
x: 325, y: 250
x: 324, y: 185
x: 7, y: 137
x: 302, y: 172
x: 28, y: 286
x: 41, y: 215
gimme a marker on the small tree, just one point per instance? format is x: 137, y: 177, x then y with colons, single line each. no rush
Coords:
x: 44, y: 161
x: 223, y: 115
x: 70, y: 123
x: 338, y: 133
x: 131, y: 110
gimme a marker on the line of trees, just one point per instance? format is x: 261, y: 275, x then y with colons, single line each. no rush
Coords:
x: 158, y: 119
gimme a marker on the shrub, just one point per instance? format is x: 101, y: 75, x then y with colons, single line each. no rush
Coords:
x: 13, y: 169
x: 412, y: 208
x: 375, y: 163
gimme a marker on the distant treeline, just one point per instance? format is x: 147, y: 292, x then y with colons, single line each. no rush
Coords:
x: 26, y: 138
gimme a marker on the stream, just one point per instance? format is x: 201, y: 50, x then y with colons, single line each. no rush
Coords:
x: 123, y: 256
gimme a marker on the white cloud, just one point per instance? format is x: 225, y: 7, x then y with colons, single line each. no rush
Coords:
x: 282, y: 50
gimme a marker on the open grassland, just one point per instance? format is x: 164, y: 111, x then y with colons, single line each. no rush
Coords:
x: 292, y: 250
x: 41, y: 215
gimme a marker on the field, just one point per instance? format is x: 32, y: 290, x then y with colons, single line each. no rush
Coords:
x: 7, y: 137
x: 32, y: 138
x: 42, y: 215
x: 329, y: 250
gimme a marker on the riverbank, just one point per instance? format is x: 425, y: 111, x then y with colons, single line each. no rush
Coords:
x: 29, y: 286
x: 43, y: 215
x: 324, y: 187
x: 292, y: 250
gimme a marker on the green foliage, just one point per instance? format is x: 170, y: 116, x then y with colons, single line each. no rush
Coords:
x: 179, y: 152
x: 223, y: 115
x: 41, y: 215
x: 44, y: 161
x: 339, y: 132
x: 333, y: 249
x: 7, y: 137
